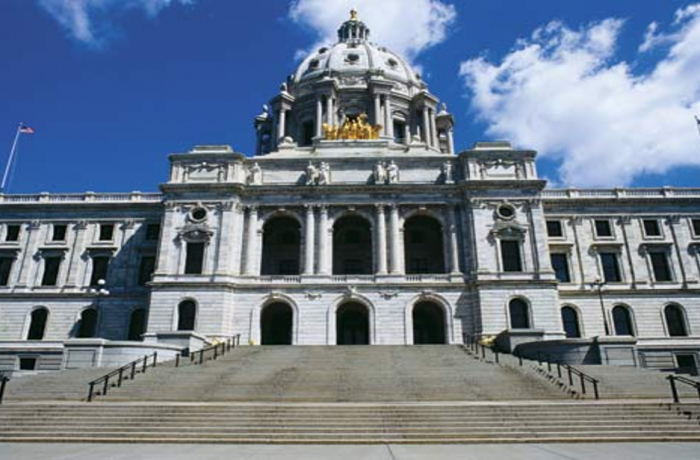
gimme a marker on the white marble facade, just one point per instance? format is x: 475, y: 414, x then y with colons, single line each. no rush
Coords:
x: 389, y: 241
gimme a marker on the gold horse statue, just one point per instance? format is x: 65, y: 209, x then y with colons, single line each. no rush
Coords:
x: 352, y: 129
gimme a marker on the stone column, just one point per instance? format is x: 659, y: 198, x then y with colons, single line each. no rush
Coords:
x: 281, y: 126
x: 453, y: 246
x: 395, y: 248
x: 319, y: 117
x: 329, y: 110
x: 381, y: 240
x: 251, y: 240
x: 377, y: 109
x: 388, y: 117
x: 450, y: 141
x: 226, y: 237
x: 309, y: 239
x: 426, y: 126
x: 407, y: 133
x: 323, y: 241
x: 433, y: 129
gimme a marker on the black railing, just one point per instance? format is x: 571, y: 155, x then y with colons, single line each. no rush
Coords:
x: 3, y: 383
x: 674, y: 389
x: 210, y: 353
x: 571, y: 373
x: 479, y: 349
x: 126, y: 372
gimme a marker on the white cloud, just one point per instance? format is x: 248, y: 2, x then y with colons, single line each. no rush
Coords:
x: 562, y: 92
x: 89, y: 21
x: 406, y: 27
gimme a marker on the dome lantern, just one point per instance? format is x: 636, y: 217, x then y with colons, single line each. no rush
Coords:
x: 353, y: 30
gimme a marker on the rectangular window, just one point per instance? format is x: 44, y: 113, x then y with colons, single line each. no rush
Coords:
x: 289, y: 267
x: 152, y: 232
x: 194, y: 262
x: 696, y: 227
x: 5, y: 270
x: 146, y: 269
x: 611, y: 267
x: 560, y: 264
x: 106, y: 232
x: 652, y: 227
x: 399, y: 132
x: 100, y: 264
x: 59, y: 232
x: 603, y: 229
x: 12, y: 233
x: 352, y: 266
x: 510, y: 256
x: 52, y: 265
x: 660, y: 266
x: 419, y: 266
x: 27, y: 364
x: 554, y: 229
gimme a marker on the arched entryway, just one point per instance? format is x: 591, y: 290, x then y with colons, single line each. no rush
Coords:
x: 423, y: 245
x: 352, y: 246
x: 281, y: 246
x: 352, y: 324
x: 276, y: 324
x: 429, y: 324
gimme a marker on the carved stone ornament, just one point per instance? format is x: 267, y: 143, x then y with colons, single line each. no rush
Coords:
x: 350, y: 292
x: 313, y: 295
x: 386, y: 295
x: 508, y: 230
x: 196, y: 233
x: 317, y: 175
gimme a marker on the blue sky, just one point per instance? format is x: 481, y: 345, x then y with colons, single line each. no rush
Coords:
x: 112, y: 89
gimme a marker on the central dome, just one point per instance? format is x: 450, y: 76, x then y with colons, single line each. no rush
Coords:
x: 354, y: 57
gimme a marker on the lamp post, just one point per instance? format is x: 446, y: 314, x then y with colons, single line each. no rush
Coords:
x: 99, y: 293
x: 598, y: 284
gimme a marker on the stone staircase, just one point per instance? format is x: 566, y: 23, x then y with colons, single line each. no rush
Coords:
x: 345, y: 423
x: 377, y: 394
x: 338, y: 374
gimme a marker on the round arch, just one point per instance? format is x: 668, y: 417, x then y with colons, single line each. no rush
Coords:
x: 675, y: 320
x: 623, y: 320
x: 36, y: 323
x: 434, y: 299
x: 424, y: 247
x: 331, y: 331
x: 254, y: 331
x: 518, y: 311
x: 281, y: 252
x: 352, y: 245
x: 86, y: 322
x: 571, y: 321
x: 192, y: 308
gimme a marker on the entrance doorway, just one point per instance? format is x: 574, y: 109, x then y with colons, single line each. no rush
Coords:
x: 352, y: 324
x: 276, y: 324
x: 428, y: 324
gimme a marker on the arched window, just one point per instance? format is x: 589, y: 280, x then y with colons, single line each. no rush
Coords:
x: 622, y: 320
x: 675, y: 321
x: 352, y: 246
x: 186, y: 315
x: 423, y: 246
x: 569, y: 318
x: 37, y: 325
x: 87, y: 324
x: 137, y: 324
x: 281, y: 246
x: 428, y: 323
x: 276, y: 322
x: 519, y: 314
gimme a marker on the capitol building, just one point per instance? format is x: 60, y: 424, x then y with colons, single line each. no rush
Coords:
x: 356, y: 221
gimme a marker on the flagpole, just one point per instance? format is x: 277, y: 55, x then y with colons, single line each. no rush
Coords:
x: 10, y: 159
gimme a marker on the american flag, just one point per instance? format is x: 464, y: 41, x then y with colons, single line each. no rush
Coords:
x: 26, y: 129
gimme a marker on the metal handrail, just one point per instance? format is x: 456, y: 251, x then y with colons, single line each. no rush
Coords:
x: 217, y: 350
x: 3, y: 383
x: 129, y: 370
x: 674, y: 390
x: 570, y: 371
x: 477, y: 348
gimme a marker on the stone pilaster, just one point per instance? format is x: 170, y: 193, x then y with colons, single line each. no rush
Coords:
x: 381, y: 240
x: 323, y: 231
x: 396, y: 260
x: 251, y: 250
x: 309, y: 239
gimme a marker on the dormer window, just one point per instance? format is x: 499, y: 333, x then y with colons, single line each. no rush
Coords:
x: 313, y: 65
x: 392, y: 63
x: 323, y: 50
x: 352, y: 58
